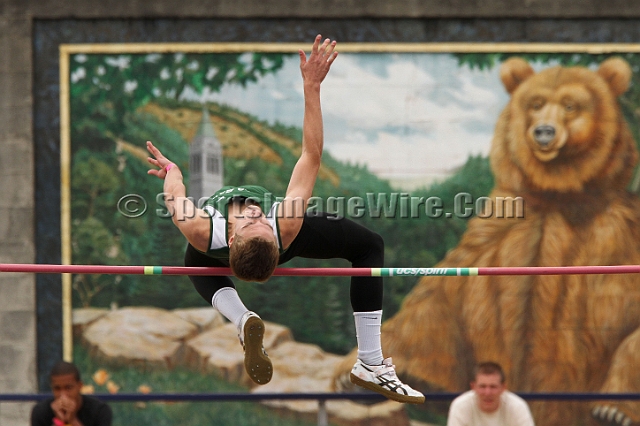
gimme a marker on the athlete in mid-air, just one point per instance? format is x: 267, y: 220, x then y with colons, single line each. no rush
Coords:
x: 245, y: 228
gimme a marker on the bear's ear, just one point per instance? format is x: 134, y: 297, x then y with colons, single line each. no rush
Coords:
x: 617, y: 73
x: 513, y: 72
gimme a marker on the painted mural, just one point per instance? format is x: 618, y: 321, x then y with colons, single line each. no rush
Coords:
x: 467, y: 158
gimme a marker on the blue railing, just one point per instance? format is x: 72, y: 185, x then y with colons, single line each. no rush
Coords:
x: 363, y: 396
x: 322, y: 398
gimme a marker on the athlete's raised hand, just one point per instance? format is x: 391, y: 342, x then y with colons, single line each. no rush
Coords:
x: 315, y: 68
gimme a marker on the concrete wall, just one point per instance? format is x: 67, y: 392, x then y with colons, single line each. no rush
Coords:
x: 19, y: 359
x: 17, y: 291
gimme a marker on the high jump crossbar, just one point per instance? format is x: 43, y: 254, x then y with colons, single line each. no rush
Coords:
x: 327, y: 272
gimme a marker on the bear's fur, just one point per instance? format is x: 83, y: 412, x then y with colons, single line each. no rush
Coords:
x: 563, y: 145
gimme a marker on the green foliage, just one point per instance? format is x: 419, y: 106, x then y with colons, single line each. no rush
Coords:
x: 431, y: 416
x: 318, y: 309
x: 291, y: 132
x: 109, y: 165
x: 422, y: 241
x: 107, y: 128
x: 102, y: 174
x: 105, y: 89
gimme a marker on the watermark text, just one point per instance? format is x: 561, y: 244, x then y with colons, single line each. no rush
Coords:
x: 375, y: 205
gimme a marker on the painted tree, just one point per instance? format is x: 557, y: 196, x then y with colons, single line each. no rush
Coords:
x: 105, y: 88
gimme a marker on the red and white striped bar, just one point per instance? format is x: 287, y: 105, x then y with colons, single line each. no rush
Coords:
x: 326, y: 272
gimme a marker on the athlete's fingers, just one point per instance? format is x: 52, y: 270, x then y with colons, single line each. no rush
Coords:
x: 316, y: 44
x: 303, y: 57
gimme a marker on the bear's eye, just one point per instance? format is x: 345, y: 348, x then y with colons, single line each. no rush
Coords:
x: 537, y: 103
x: 570, y: 107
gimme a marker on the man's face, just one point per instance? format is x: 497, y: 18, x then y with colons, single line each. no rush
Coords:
x: 66, y: 385
x: 488, y: 388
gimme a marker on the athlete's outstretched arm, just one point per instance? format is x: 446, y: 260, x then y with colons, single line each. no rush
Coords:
x: 191, y: 221
x: 303, y: 178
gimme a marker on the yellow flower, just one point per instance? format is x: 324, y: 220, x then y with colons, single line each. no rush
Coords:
x: 144, y: 389
x: 87, y: 389
x: 112, y: 387
x: 100, y: 377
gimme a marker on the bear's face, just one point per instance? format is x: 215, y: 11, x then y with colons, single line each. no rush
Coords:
x: 563, y: 127
x: 555, y: 117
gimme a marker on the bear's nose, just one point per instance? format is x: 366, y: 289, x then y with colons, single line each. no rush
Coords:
x: 544, y: 134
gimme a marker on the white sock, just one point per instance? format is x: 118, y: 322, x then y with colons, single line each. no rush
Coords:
x: 368, y: 335
x: 228, y: 303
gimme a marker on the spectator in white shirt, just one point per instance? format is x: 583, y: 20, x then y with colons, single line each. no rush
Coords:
x: 489, y: 403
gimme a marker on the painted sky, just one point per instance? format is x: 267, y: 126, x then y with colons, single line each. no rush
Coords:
x: 411, y: 118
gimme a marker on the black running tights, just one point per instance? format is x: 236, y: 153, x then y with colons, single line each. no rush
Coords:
x: 322, y: 236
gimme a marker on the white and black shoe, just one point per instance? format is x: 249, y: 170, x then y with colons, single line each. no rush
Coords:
x: 383, y: 379
x: 256, y: 361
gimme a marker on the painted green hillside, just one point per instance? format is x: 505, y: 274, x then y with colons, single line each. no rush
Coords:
x: 106, y: 168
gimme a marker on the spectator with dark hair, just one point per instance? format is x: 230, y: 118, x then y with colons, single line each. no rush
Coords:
x: 68, y: 406
x: 489, y: 403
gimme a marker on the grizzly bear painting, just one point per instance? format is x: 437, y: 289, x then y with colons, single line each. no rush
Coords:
x: 563, y: 145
